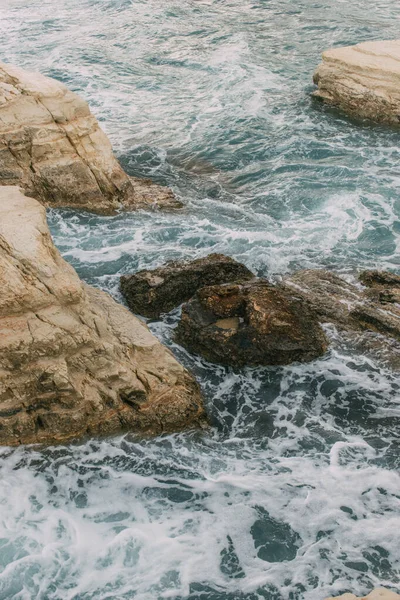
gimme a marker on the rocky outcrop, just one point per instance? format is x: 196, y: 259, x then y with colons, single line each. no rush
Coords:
x: 52, y: 146
x: 346, y: 305
x: 362, y: 80
x: 153, y: 292
x: 258, y: 323
x: 377, y: 594
x: 72, y: 361
x: 254, y: 323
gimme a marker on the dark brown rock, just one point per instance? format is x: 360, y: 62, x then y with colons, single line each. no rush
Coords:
x: 254, y: 323
x: 150, y: 293
x: 347, y: 306
x: 379, y: 279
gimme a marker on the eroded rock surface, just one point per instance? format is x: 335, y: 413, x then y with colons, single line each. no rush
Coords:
x: 52, y: 146
x: 377, y: 594
x: 73, y: 361
x: 362, y: 80
x: 153, y: 292
x: 345, y: 305
x: 253, y: 323
x: 258, y: 323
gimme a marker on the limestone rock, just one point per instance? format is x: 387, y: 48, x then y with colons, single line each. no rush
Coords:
x: 254, y: 323
x: 52, y: 146
x: 72, y: 361
x: 377, y: 594
x: 362, y: 80
x: 152, y: 292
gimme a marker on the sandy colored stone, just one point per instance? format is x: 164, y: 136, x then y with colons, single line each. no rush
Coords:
x: 377, y: 594
x: 73, y: 362
x: 362, y: 80
x: 53, y: 147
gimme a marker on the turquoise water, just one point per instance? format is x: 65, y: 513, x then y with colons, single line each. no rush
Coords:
x: 294, y: 493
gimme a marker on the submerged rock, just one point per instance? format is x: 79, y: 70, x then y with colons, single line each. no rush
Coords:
x: 52, y: 146
x: 362, y: 80
x: 377, y: 594
x: 253, y: 323
x: 156, y: 291
x: 73, y: 361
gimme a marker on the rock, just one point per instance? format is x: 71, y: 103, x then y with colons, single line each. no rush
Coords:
x: 385, y: 286
x: 377, y: 594
x: 157, y: 291
x: 345, y: 305
x: 362, y: 80
x: 254, y: 323
x: 72, y: 361
x: 52, y: 146
x: 257, y: 323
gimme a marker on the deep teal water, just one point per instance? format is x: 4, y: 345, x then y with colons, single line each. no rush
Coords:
x: 295, y: 492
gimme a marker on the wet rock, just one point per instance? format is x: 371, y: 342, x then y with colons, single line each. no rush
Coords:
x: 346, y: 305
x: 362, y: 80
x: 379, y: 279
x: 53, y: 147
x: 384, y: 286
x: 153, y: 292
x: 73, y: 362
x: 253, y: 323
x: 377, y: 594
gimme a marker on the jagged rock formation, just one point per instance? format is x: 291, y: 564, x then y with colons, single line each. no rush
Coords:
x: 377, y: 594
x: 254, y: 323
x: 156, y: 291
x: 73, y: 361
x: 52, y: 146
x: 258, y: 323
x: 347, y: 306
x: 362, y: 80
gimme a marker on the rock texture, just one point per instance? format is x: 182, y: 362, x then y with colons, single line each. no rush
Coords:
x: 73, y: 361
x: 258, y: 323
x: 377, y: 594
x: 347, y: 306
x: 153, y: 292
x: 255, y: 323
x: 52, y: 146
x: 362, y: 80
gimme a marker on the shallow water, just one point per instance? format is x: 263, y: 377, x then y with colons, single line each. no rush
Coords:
x: 294, y: 492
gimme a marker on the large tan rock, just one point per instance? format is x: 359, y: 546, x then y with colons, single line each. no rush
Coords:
x: 378, y: 594
x: 52, y: 146
x: 73, y: 361
x: 362, y: 80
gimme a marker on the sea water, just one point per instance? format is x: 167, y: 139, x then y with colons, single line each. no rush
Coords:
x: 293, y: 493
